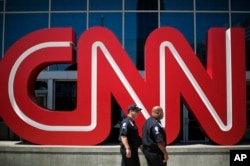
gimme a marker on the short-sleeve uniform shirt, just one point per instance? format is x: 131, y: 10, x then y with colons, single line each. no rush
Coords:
x: 130, y: 130
x: 153, y: 132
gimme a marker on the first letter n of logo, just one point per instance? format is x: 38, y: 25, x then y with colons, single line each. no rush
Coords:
x: 215, y: 94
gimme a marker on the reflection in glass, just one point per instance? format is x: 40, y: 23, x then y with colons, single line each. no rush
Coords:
x: 1, y: 5
x: 105, y: 5
x: 146, y: 23
x: 77, y: 21
x: 130, y: 4
x: 130, y: 35
x: 1, y: 39
x: 205, y: 21
x: 65, y: 95
x: 240, y: 5
x: 177, y: 5
x: 59, y: 67
x: 62, y: 5
x: 112, y: 21
x: 147, y: 5
x: 27, y: 5
x: 26, y: 24
x: 247, y: 135
x: 243, y: 20
x: 183, y: 22
x: 41, y: 92
x: 218, y: 5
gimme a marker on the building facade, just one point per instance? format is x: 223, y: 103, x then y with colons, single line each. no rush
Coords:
x: 131, y: 21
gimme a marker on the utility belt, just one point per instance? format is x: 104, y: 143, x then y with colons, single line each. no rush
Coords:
x: 153, y: 148
x: 131, y: 146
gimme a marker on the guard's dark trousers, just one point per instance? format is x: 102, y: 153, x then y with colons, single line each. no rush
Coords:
x: 133, y: 160
x: 154, y: 159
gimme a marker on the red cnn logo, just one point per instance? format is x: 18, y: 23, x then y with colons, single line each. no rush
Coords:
x: 216, y: 94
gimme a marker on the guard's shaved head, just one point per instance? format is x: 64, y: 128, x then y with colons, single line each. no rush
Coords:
x: 157, y: 112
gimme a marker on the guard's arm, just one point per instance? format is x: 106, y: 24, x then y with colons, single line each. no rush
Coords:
x: 161, y: 146
x: 124, y: 140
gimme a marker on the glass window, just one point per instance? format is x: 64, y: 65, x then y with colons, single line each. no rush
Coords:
x: 221, y: 5
x: 1, y: 5
x: 243, y: 20
x: 1, y: 37
x: 130, y: 35
x: 137, y: 28
x: 41, y: 93
x: 112, y: 21
x: 240, y: 5
x: 18, y: 25
x: 184, y: 22
x: 205, y: 21
x: 27, y: 5
x: 105, y: 5
x: 247, y: 133
x: 177, y: 5
x: 59, y: 67
x: 141, y: 5
x: 116, y: 119
x: 130, y: 5
x: 77, y: 21
x: 195, y: 131
x: 65, y: 95
x: 61, y: 5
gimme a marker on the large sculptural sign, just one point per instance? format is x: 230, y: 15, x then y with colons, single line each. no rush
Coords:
x: 215, y: 94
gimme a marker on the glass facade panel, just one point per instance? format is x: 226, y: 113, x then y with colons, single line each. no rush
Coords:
x: 240, y: 5
x: 130, y: 35
x: 41, y: 92
x: 1, y: 37
x: 243, y: 20
x: 130, y: 5
x: 1, y: 5
x: 177, y: 5
x: 67, y: 5
x: 105, y: 5
x: 247, y: 135
x: 141, y: 4
x: 65, y: 95
x: 205, y: 21
x: 77, y: 21
x: 112, y: 21
x: 183, y: 22
x: 58, y: 67
x: 146, y: 23
x: 147, y: 5
x: 27, y: 5
x: 215, y: 5
x: 18, y: 25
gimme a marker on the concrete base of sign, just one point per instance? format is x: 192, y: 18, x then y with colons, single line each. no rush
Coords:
x: 18, y: 154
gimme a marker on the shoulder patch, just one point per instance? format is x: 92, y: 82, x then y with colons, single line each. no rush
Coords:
x: 124, y: 125
x: 156, y: 128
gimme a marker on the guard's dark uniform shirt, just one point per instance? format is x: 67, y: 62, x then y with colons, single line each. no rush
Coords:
x: 153, y: 133
x: 130, y: 130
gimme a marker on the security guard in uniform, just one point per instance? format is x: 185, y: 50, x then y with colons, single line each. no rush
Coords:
x: 154, y: 139
x: 130, y: 139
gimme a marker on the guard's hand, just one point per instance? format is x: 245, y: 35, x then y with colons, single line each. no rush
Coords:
x: 165, y: 157
x: 141, y: 148
x: 128, y: 153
